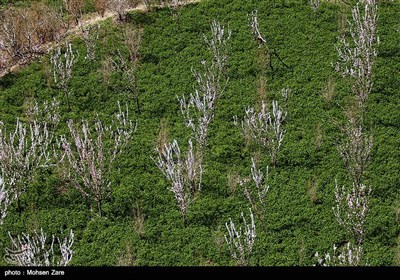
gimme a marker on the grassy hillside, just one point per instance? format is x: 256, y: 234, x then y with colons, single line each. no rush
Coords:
x: 298, y: 220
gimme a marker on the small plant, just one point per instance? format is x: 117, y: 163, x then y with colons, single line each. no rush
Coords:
x: 138, y: 220
x: 90, y: 36
x: 4, y: 201
x: 356, y: 148
x: 357, y: 56
x: 162, y: 137
x: 313, y: 191
x: 33, y: 250
x: 90, y: 154
x: 62, y: 69
x: 257, y: 195
x: 319, y: 137
x: 240, y: 241
x: 266, y: 128
x: 126, y: 257
x: 314, y: 5
x: 28, y: 148
x: 348, y: 255
x: 351, y: 210
x: 328, y: 92
x: 184, y: 173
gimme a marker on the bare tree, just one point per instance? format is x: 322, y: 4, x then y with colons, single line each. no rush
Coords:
x: 257, y: 196
x: 351, y: 210
x: 262, y: 40
x: 106, y: 69
x: 119, y: 7
x: 128, y: 72
x: 127, y: 67
x: 348, y: 255
x: 90, y: 36
x: 240, y: 241
x: 133, y: 38
x: 184, y: 173
x: 75, y: 9
x: 62, y: 69
x: 27, y: 149
x: 218, y: 44
x: 5, y: 201
x: 50, y: 25
x: 199, y: 109
x: 314, y: 5
x: 17, y: 31
x: 355, y: 149
x: 357, y: 56
x: 33, y: 250
x: 266, y: 128
x: 255, y: 29
x: 90, y: 155
x: 25, y: 30
x: 101, y: 6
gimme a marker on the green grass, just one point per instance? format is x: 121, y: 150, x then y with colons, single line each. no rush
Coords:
x: 294, y: 227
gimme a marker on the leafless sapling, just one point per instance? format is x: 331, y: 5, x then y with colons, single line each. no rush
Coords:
x: 184, y: 173
x: 119, y: 7
x: 348, y: 255
x: 90, y: 154
x: 75, y: 9
x: 262, y: 40
x: 101, y: 6
x: 356, y: 148
x: 218, y: 44
x: 199, y: 109
x: 33, y: 250
x: 128, y: 72
x: 90, y: 36
x: 133, y: 38
x: 241, y: 241
x: 266, y: 128
x: 62, y: 69
x: 28, y: 148
x: 314, y: 5
x: 357, y: 55
x: 4, y: 201
x: 257, y: 196
x: 351, y: 210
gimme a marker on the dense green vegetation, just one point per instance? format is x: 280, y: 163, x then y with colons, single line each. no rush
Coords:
x: 298, y: 219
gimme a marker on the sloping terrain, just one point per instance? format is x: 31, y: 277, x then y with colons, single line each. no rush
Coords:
x: 141, y: 223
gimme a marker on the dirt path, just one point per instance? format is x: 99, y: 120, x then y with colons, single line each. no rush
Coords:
x: 88, y: 20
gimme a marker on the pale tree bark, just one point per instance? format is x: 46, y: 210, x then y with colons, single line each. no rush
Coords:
x: 33, y: 250
x: 240, y: 240
x: 28, y: 148
x: 63, y: 65
x: 184, y: 173
x: 4, y: 201
x: 348, y: 255
x: 90, y: 153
